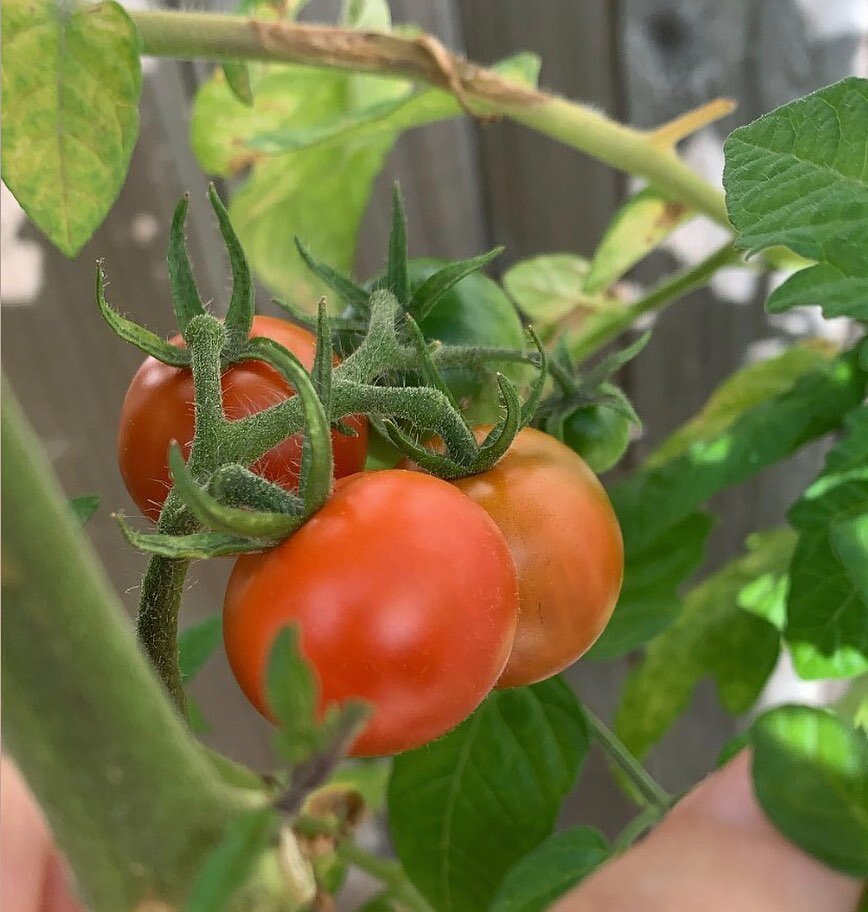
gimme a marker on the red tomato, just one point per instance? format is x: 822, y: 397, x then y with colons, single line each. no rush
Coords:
x: 405, y: 595
x: 566, y: 543
x: 158, y: 408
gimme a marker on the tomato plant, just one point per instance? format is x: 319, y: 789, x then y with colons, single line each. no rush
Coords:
x: 378, y: 619
x: 159, y: 408
x: 444, y: 607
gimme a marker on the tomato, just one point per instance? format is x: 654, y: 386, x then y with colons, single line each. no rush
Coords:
x: 405, y: 595
x: 599, y: 435
x: 567, y: 547
x: 158, y: 408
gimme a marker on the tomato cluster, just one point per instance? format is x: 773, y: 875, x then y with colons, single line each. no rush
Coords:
x: 415, y: 594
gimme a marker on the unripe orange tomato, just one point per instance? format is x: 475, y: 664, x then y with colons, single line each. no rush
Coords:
x: 158, y: 408
x: 567, y: 547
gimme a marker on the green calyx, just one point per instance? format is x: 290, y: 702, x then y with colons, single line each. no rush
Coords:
x: 587, y: 411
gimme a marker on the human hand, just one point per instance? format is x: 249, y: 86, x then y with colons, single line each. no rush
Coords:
x: 715, y: 852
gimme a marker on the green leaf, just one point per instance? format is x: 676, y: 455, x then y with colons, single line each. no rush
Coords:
x: 465, y: 808
x: 368, y: 15
x: 810, y: 774
x: 84, y: 507
x: 551, y: 869
x: 314, y: 141
x: 237, y: 75
x: 714, y: 637
x: 748, y: 387
x: 638, y: 227
x: 196, y: 644
x: 305, y: 738
x: 652, y: 500
x: 827, y: 611
x: 797, y: 177
x: 71, y: 85
x: 734, y: 745
x: 738, y: 436
x: 292, y: 697
x: 230, y: 865
x: 649, y: 600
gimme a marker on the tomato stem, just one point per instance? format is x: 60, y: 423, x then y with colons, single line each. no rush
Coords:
x: 653, y: 794
x: 220, y: 37
x: 666, y: 293
x: 389, y: 873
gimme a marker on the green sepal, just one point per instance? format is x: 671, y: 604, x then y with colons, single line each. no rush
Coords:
x: 321, y: 375
x: 397, y: 279
x: 143, y: 339
x: 427, y: 369
x: 459, y: 465
x: 529, y: 409
x: 236, y: 486
x: 317, y: 460
x: 349, y: 292
x: 308, y: 321
x: 239, y: 316
x: 220, y: 518
x: 185, y: 295
x: 197, y: 546
x: 432, y: 289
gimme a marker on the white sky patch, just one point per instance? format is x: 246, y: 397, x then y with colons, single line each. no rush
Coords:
x: 22, y: 262
x: 144, y: 227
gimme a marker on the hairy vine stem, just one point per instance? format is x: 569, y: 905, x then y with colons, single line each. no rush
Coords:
x: 649, y: 154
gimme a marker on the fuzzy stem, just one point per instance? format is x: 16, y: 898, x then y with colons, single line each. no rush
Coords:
x: 390, y: 873
x: 652, y: 793
x: 131, y: 798
x: 668, y: 292
x: 217, y: 37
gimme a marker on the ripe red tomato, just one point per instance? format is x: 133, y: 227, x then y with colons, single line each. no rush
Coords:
x: 158, y: 408
x: 405, y: 595
x: 567, y: 547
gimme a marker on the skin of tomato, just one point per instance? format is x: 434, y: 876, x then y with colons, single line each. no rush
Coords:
x: 567, y: 547
x: 405, y: 595
x: 158, y: 408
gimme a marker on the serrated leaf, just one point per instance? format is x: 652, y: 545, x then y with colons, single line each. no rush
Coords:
x: 71, y: 85
x: 642, y: 223
x: 551, y: 869
x: 810, y: 774
x: 228, y: 867
x: 742, y: 390
x: 827, y: 610
x: 713, y: 636
x: 649, y: 601
x: 196, y: 645
x: 798, y: 177
x: 337, y: 128
x: 84, y: 507
x: 465, y: 808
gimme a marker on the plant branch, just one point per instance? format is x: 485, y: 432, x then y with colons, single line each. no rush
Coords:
x: 652, y: 793
x: 423, y: 58
x: 668, y: 292
x: 132, y: 800
x: 390, y: 873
